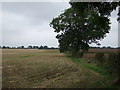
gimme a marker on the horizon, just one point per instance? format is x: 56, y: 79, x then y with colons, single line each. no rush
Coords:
x: 53, y: 46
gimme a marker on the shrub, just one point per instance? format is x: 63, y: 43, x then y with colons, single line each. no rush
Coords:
x: 114, y: 62
x: 100, y: 57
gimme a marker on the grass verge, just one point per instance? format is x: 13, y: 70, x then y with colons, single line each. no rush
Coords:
x: 104, y: 77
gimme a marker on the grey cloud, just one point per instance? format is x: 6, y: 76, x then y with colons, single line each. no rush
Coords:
x: 37, y: 11
x: 27, y: 23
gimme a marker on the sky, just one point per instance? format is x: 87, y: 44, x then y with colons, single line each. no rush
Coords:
x: 27, y: 23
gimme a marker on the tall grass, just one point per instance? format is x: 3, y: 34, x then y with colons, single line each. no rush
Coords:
x: 100, y: 57
x: 112, y: 64
x: 98, y: 70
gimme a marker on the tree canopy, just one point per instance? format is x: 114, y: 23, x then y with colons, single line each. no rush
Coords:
x: 82, y: 24
x: 103, y: 8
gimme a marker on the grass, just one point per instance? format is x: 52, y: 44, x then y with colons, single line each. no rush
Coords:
x: 26, y: 56
x: 82, y: 63
x: 99, y: 70
x: 50, y: 69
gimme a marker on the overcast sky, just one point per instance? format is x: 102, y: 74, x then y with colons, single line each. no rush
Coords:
x: 28, y: 24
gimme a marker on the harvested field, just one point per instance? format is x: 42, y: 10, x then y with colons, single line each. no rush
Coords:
x: 33, y: 68
x: 103, y: 50
x: 92, y: 52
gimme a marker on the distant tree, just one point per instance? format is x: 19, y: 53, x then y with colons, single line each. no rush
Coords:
x: 4, y: 47
x: 109, y: 47
x: 0, y: 47
x: 52, y: 48
x: 22, y: 46
x: 41, y: 47
x: 30, y: 47
x: 104, y: 47
x: 45, y: 47
x: 8, y: 47
x: 35, y: 47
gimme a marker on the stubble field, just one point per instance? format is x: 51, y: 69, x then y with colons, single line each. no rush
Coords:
x: 33, y: 68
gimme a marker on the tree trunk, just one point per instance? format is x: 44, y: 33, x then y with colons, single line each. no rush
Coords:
x: 77, y: 53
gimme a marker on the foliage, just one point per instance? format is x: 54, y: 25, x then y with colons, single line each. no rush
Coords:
x: 77, y: 29
x: 118, y: 19
x: 103, y: 8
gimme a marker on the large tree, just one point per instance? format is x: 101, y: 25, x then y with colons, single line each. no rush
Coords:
x: 81, y: 25
x: 103, y: 8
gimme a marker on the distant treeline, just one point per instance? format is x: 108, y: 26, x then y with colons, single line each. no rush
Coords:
x: 104, y: 47
x: 29, y: 47
x: 46, y: 47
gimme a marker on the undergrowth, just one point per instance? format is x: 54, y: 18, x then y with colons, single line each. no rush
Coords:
x: 102, y: 69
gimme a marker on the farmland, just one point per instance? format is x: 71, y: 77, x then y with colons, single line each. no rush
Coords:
x: 92, y: 52
x: 33, y: 68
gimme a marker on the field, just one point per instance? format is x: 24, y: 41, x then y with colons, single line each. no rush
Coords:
x: 92, y: 52
x: 33, y: 68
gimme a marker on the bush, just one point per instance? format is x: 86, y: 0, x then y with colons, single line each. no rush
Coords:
x: 100, y: 57
x: 114, y: 62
